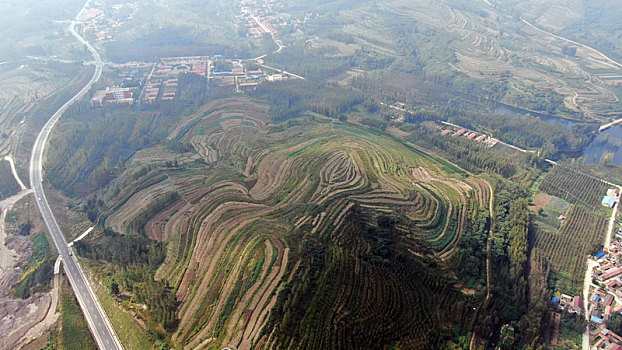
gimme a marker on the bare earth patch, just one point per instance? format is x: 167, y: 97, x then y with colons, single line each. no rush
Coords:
x: 539, y: 202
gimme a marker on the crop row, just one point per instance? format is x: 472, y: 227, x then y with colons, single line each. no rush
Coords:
x: 573, y: 186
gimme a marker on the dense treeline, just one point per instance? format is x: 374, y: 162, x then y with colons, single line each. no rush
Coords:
x: 469, y: 106
x: 169, y: 42
x: 192, y: 89
x: 287, y: 100
x: 90, y: 146
x: 384, y: 296
x: 514, y: 300
x: 473, y: 244
x: 517, y: 249
x: 473, y: 156
x: 123, y: 250
x: 92, y: 208
x: 554, y: 139
x: 135, y: 259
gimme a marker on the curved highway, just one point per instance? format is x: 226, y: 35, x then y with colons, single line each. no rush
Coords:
x: 98, y: 322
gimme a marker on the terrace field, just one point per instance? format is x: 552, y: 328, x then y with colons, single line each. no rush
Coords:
x: 311, y: 231
x: 484, y: 50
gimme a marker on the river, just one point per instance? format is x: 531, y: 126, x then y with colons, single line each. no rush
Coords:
x: 501, y: 108
x: 608, y: 141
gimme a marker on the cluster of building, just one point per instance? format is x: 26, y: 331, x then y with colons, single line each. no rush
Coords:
x: 608, y: 340
x: 490, y: 141
x: 163, y: 81
x: 100, y: 26
x: 114, y: 94
x: 128, y: 79
x: 263, y: 17
x: 239, y: 75
x: 605, y: 301
x: 151, y: 82
x: 612, y: 197
x: 568, y: 303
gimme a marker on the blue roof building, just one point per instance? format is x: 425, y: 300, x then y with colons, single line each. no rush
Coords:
x: 608, y: 201
x: 555, y: 300
x: 599, y: 255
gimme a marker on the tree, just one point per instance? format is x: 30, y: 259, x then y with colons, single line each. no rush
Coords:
x: 114, y: 288
x: 519, y: 223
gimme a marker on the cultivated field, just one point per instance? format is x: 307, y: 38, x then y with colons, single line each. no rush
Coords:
x: 241, y: 211
x: 574, y: 186
x: 567, y: 248
x: 520, y: 65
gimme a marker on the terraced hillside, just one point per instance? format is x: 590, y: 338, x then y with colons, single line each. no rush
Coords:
x: 312, y: 232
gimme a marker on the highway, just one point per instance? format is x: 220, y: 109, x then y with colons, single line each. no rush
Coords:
x: 100, y: 326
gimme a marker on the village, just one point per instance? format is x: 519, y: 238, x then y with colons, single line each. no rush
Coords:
x: 262, y: 17
x: 604, y: 304
x: 100, y: 26
x: 149, y: 82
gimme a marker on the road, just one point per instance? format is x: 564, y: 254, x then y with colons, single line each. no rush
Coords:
x: 590, y: 263
x: 588, y: 276
x: 615, y: 63
x: 607, y: 126
x: 97, y: 320
x: 612, y: 221
x: 608, y: 59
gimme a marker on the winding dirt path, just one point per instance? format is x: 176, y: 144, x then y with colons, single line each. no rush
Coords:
x: 19, y: 181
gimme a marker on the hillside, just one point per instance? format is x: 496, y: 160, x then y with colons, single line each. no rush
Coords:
x: 310, y: 231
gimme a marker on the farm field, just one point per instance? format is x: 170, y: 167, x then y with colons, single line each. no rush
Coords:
x: 574, y: 186
x: 550, y: 217
x: 22, y: 87
x: 570, y: 225
x: 488, y: 46
x: 567, y: 248
x: 274, y: 230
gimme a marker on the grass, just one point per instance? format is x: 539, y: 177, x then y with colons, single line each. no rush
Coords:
x: 129, y: 333
x: 557, y: 205
x: 75, y: 333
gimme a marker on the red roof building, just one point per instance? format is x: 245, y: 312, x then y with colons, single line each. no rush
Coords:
x: 610, y: 274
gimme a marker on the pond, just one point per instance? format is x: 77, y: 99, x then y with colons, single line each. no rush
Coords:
x: 609, y: 141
